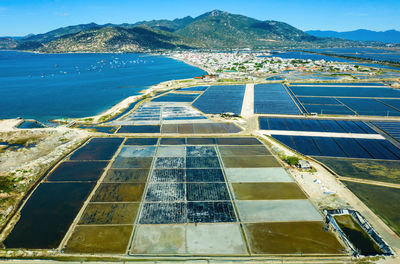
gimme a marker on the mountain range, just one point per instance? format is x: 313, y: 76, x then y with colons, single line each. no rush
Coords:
x: 389, y: 36
x: 212, y: 30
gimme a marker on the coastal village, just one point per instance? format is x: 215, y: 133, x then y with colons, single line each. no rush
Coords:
x: 253, y: 65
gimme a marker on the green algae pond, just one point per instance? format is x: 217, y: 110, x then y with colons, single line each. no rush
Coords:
x: 358, y: 237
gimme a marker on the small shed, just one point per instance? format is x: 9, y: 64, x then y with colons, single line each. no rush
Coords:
x: 304, y: 165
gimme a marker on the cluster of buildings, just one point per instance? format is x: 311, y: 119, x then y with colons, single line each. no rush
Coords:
x: 256, y: 64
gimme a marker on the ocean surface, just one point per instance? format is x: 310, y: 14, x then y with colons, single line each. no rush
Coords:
x: 49, y: 86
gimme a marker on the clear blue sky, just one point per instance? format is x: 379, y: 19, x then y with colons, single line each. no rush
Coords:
x: 21, y: 17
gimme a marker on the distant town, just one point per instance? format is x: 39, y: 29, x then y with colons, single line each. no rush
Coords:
x: 262, y: 64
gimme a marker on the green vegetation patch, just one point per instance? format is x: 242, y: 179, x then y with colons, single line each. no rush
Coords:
x: 6, y: 184
x: 382, y: 200
x: 385, y: 171
x: 104, y: 118
x: 292, y: 160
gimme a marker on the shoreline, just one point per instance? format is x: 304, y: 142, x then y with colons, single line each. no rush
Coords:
x: 124, y: 103
x: 188, y: 63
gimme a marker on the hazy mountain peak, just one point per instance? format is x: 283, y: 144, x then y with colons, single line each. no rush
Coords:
x: 217, y: 12
x: 389, y: 36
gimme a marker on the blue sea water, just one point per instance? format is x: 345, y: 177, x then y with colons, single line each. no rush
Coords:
x: 49, y: 86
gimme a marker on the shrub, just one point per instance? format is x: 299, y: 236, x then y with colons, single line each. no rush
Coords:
x: 292, y: 160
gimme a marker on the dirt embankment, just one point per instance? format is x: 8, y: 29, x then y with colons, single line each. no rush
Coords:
x: 25, y: 155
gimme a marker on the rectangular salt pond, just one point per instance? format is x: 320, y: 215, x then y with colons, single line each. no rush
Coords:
x: 194, y: 89
x: 329, y: 110
x: 165, y: 192
x: 370, y: 107
x: 391, y: 128
x: 395, y: 103
x: 257, y: 175
x: 99, y: 239
x: 204, y: 175
x: 163, y: 213
x: 381, y: 200
x: 176, y: 97
x: 119, y: 192
x: 200, y: 151
x: 273, y: 99
x: 344, y: 147
x: 250, y: 162
x: 191, y: 239
x: 376, y: 170
x: 109, y: 213
x: 172, y: 141
x: 171, y: 151
x: 126, y: 175
x: 132, y: 163
x: 291, y: 237
x: 318, y: 100
x: 238, y: 141
x: 168, y: 175
x: 97, y: 149
x: 221, y: 99
x: 251, y: 211
x: 137, y: 151
x: 345, y: 91
x: 139, y: 129
x: 361, y: 84
x: 200, y: 128
x: 267, y: 191
x: 315, y: 125
x: 141, y: 141
x: 243, y: 151
x: 200, y: 141
x: 78, y: 171
x: 47, y: 215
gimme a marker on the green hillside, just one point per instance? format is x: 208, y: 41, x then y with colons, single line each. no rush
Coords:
x: 212, y: 30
